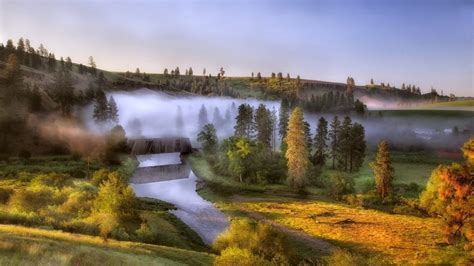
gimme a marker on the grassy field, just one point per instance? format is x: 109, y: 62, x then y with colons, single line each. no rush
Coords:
x: 22, y: 245
x: 397, y: 238
x: 456, y: 104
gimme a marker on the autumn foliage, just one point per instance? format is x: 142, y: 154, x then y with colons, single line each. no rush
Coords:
x: 450, y: 194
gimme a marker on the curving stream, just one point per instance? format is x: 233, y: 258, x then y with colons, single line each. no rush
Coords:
x: 165, y: 177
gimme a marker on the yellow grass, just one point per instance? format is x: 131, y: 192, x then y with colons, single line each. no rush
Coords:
x: 398, y: 238
x: 19, y: 244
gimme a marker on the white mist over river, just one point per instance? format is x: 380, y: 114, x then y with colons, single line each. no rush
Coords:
x: 147, y: 113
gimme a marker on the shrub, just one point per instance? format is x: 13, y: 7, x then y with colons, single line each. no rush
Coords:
x: 30, y: 200
x: 100, y: 176
x: 258, y: 239
x: 5, y: 194
x: 240, y: 257
x: 339, y: 185
x: 56, y: 180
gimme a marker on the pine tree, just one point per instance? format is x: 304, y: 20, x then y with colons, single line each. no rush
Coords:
x: 320, y: 142
x: 202, y: 117
x: 179, y: 121
x: 244, y: 121
x: 383, y: 170
x: 283, y: 121
x: 100, y: 107
x: 358, y: 146
x: 345, y: 143
x: 68, y: 63
x: 297, y: 152
x: 113, y: 115
x: 263, y: 125
x: 217, y: 119
x: 208, y: 138
x: 64, y: 91
x: 308, y: 137
x: 334, y: 136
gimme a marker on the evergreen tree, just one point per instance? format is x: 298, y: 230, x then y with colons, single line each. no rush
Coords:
x: 244, y: 121
x: 202, y: 117
x: 165, y: 72
x: 208, y: 138
x: 383, y: 170
x: 68, y: 63
x: 64, y: 91
x: 308, y: 137
x: 334, y: 136
x: 113, y: 115
x: 358, y: 146
x: 263, y: 125
x: 283, y: 121
x: 345, y: 143
x: 217, y: 119
x: 274, y: 119
x: 93, y: 66
x: 179, y: 121
x: 320, y: 142
x: 100, y: 107
x: 297, y: 152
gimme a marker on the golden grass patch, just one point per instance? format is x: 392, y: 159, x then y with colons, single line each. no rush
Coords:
x: 399, y: 238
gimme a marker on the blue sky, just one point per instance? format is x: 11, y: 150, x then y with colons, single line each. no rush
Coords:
x: 427, y: 43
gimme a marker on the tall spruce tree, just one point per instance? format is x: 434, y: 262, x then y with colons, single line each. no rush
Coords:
x: 383, y: 170
x: 334, y: 136
x: 101, y: 108
x: 64, y: 91
x: 113, y: 115
x: 308, y: 137
x: 344, y: 144
x: 202, y: 117
x: 179, y: 121
x: 244, y: 121
x: 263, y: 125
x: 297, y: 152
x: 358, y: 146
x: 320, y: 142
x: 283, y: 122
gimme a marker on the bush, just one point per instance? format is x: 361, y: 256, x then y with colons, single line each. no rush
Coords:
x: 258, y: 239
x: 240, y: 257
x: 24, y: 154
x: 339, y: 185
x: 56, y: 180
x: 30, y: 200
x: 5, y: 194
x: 100, y: 176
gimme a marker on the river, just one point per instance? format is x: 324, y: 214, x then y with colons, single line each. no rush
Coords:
x: 165, y: 177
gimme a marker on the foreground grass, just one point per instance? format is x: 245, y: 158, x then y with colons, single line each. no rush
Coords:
x: 23, y: 245
x: 397, y: 238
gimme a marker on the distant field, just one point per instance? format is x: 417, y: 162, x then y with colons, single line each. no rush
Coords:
x: 28, y: 246
x: 467, y: 105
x: 392, y: 238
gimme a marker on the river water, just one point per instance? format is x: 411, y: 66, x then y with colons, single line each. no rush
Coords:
x: 165, y: 177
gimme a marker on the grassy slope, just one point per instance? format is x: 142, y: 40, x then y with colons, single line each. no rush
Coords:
x: 398, y: 238
x: 23, y: 245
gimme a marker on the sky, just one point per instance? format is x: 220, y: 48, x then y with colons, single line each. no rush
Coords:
x: 421, y: 42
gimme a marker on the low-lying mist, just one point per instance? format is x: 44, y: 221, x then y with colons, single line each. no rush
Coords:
x: 149, y: 114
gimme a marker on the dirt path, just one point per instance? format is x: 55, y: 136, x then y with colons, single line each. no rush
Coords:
x: 317, y: 244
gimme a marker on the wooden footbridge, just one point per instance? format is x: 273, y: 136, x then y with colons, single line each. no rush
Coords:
x: 160, y: 145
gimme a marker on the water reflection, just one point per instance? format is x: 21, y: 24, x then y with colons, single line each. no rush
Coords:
x: 174, y: 182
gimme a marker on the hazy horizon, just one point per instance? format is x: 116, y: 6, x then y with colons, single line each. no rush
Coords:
x: 425, y: 43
